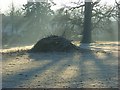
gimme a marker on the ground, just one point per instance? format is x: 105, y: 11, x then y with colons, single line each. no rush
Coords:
x: 97, y: 69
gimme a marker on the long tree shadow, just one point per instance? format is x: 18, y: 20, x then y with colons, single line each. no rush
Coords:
x: 100, y: 71
x: 23, y: 76
x: 58, y: 70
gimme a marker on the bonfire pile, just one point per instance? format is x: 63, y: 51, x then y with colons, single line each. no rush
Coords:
x: 53, y: 44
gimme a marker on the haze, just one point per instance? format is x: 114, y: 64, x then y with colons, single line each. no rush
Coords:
x: 5, y: 5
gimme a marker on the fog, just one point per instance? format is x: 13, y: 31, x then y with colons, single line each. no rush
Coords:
x: 21, y: 30
x: 26, y: 33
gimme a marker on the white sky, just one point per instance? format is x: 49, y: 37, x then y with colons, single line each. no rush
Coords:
x: 5, y: 4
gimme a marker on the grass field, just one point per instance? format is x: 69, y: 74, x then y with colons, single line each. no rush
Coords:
x: 96, y: 69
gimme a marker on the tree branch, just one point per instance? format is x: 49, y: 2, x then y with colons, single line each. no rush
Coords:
x: 118, y: 4
x: 102, y: 15
x: 96, y: 2
x: 77, y: 7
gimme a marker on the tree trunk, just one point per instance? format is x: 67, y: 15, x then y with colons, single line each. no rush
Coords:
x: 12, y: 17
x: 87, y: 23
x: 118, y: 22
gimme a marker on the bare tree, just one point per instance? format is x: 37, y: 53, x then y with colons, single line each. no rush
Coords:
x: 87, y: 26
x: 87, y: 22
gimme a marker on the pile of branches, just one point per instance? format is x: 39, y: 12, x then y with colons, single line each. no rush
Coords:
x: 54, y: 44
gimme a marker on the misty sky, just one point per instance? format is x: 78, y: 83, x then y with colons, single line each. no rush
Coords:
x: 5, y: 4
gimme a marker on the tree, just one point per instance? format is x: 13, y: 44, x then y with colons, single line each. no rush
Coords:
x: 37, y: 10
x: 87, y: 26
x: 37, y: 18
x: 94, y: 14
x: 100, y: 18
x: 12, y: 16
x: 87, y: 22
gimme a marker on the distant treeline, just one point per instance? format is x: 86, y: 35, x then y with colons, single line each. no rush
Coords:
x: 37, y: 20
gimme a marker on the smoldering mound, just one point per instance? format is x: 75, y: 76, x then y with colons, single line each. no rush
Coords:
x: 54, y: 43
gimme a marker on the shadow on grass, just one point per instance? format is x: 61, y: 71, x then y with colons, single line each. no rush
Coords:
x: 104, y: 73
x: 100, y: 71
x: 21, y: 77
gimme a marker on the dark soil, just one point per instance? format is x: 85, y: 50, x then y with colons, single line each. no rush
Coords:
x: 54, y: 44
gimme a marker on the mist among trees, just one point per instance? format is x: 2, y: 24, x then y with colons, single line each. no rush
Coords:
x: 85, y: 22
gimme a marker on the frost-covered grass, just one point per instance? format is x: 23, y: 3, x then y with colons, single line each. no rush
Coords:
x: 95, y: 69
